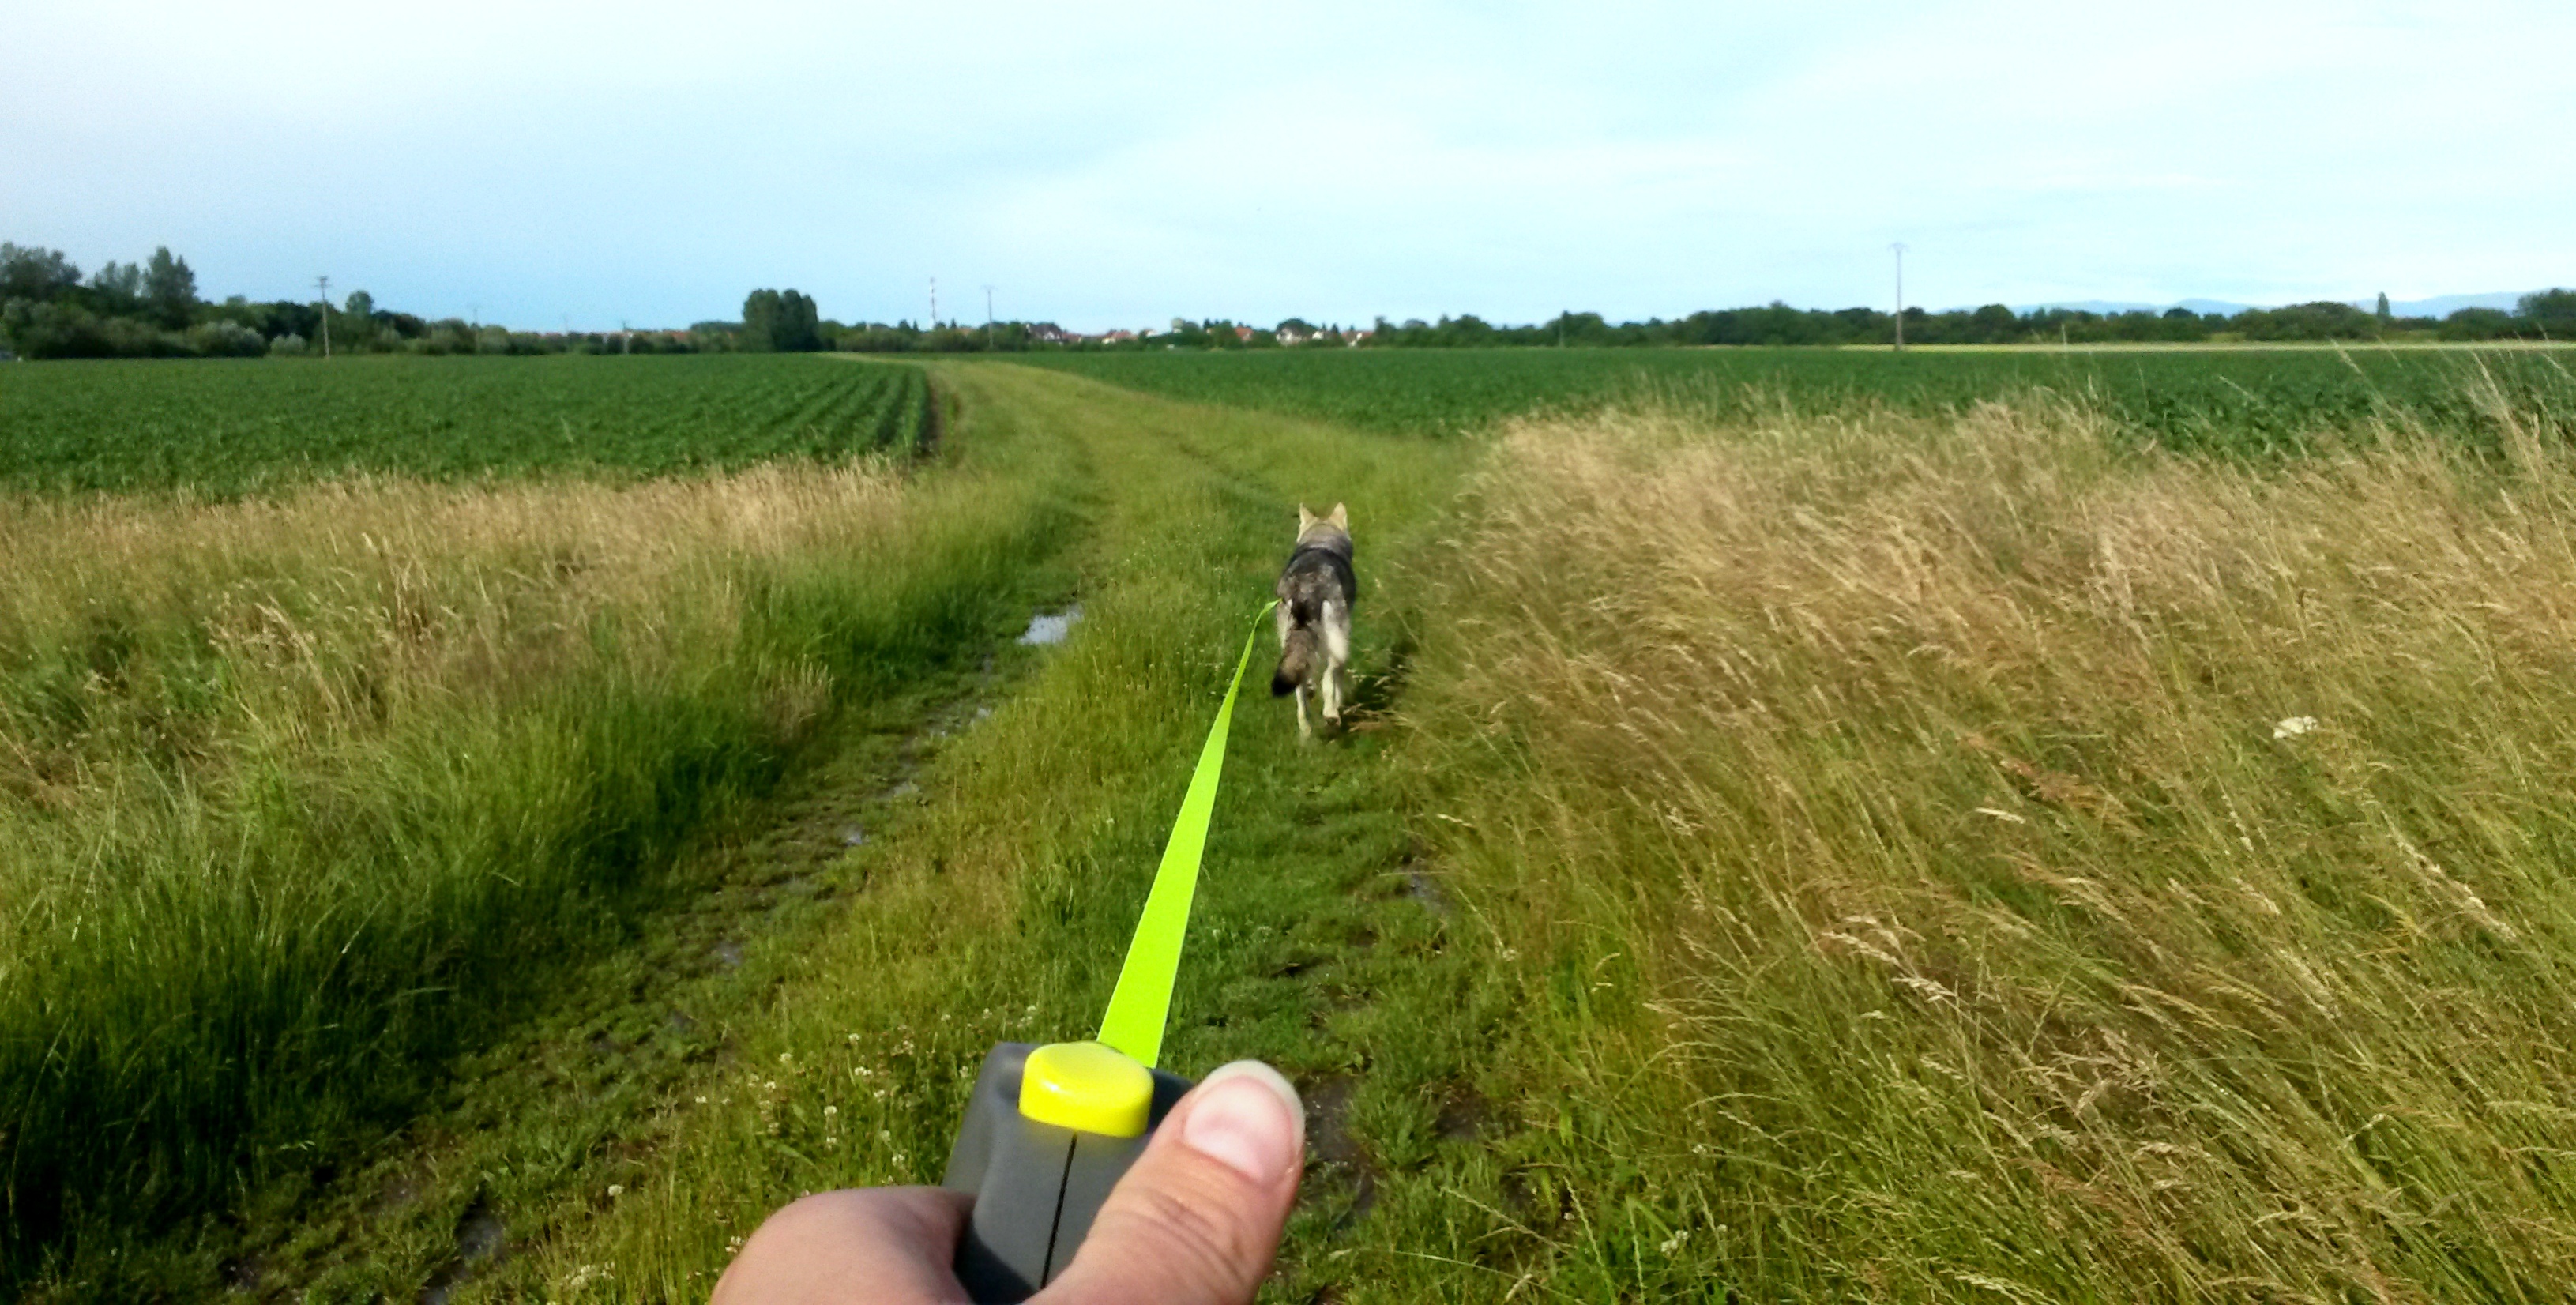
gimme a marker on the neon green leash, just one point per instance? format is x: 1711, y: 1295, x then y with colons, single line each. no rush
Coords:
x: 1142, y: 1000
x: 1048, y: 1130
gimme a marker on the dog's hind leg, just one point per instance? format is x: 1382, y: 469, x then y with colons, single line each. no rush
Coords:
x: 1337, y: 656
x: 1304, y: 730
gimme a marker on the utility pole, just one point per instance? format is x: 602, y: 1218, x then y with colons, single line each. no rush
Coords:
x: 988, y: 319
x: 625, y: 338
x: 1899, y: 247
x: 322, y: 286
x: 934, y: 303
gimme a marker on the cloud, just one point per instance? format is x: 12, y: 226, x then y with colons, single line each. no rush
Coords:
x: 654, y: 162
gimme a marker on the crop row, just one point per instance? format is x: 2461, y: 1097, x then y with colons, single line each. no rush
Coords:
x: 2243, y: 401
x: 224, y: 428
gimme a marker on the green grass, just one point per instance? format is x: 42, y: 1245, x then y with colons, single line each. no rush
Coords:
x: 2231, y: 401
x: 1971, y: 859
x: 223, y: 428
x: 1848, y: 848
x: 303, y: 795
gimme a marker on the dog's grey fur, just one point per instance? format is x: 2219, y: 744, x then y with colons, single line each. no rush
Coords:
x: 1316, y: 590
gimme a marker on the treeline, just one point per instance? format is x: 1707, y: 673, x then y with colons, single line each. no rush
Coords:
x: 2550, y: 314
x: 48, y: 309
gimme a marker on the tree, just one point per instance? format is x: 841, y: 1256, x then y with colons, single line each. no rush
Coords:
x: 2385, y: 317
x: 118, y: 287
x: 760, y: 321
x: 27, y: 272
x: 2553, y: 311
x: 776, y: 321
x: 2477, y: 324
x: 170, y: 288
x: 799, y: 328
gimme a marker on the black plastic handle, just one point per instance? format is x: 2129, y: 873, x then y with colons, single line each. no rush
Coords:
x: 1036, y: 1186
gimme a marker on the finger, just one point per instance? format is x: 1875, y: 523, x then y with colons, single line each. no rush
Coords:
x: 892, y: 1244
x: 1197, y: 1219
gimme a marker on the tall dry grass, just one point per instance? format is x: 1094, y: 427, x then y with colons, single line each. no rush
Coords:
x: 298, y: 794
x: 1958, y: 859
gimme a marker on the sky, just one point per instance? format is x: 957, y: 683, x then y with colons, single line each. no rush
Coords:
x: 583, y: 165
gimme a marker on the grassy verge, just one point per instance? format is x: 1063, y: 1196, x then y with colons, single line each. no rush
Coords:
x: 1957, y: 859
x: 300, y: 796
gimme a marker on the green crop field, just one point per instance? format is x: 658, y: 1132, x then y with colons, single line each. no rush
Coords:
x: 228, y: 427
x: 2230, y: 401
x: 1806, y: 832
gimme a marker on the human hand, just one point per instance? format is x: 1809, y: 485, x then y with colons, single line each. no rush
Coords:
x: 1195, y: 1221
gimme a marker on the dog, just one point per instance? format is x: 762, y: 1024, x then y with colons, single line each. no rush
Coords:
x: 1316, y: 590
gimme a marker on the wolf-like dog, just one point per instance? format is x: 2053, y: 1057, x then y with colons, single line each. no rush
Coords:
x: 1316, y: 590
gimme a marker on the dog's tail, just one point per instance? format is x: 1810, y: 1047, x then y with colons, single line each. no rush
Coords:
x: 1296, y: 659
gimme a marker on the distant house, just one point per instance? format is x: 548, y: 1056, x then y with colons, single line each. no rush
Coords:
x: 1243, y: 333
x: 1118, y: 337
x: 1358, y: 336
x: 1291, y: 335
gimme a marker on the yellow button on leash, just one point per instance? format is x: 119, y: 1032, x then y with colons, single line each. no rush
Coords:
x: 1087, y: 1087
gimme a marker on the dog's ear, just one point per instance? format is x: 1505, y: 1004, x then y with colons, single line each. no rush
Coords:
x: 1305, y: 519
x: 1341, y: 516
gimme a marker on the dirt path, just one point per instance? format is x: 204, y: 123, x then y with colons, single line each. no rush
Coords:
x: 799, y: 1019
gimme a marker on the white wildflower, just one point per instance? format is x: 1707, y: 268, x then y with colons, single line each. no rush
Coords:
x: 2293, y: 726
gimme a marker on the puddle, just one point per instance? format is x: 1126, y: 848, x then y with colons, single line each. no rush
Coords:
x: 1419, y: 886
x: 478, y: 1238
x: 1051, y: 627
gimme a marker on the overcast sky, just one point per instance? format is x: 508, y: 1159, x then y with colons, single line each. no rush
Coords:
x: 1118, y: 165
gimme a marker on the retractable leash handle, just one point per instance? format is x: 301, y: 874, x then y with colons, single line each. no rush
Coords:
x: 1050, y: 1129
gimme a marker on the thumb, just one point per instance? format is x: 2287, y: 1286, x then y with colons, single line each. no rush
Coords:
x: 1197, y: 1218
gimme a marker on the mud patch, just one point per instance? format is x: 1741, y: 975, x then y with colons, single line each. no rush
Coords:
x: 1328, y: 1134
x: 1462, y: 1117
x: 245, y: 1275
x: 478, y: 1242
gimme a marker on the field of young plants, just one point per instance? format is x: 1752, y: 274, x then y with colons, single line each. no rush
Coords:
x: 2218, y: 400
x: 226, y: 427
